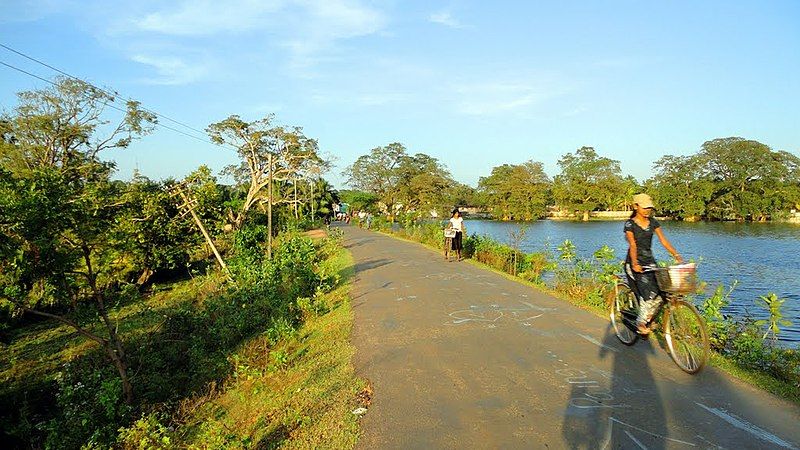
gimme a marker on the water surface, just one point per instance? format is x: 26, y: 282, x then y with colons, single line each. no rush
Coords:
x: 762, y: 257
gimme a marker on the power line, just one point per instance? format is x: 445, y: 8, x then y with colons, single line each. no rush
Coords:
x: 111, y: 105
x: 112, y: 94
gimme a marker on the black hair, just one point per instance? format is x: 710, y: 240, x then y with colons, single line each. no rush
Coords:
x: 633, y: 214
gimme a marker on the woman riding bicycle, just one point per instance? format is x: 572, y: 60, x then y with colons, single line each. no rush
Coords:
x: 639, y: 231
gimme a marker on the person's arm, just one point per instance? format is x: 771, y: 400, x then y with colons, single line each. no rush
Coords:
x: 667, y: 245
x: 632, y: 251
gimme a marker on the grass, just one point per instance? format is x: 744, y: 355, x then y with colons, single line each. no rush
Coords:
x: 297, y: 394
x: 35, y: 353
x: 752, y: 377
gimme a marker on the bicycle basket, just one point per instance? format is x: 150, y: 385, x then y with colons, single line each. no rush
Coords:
x: 679, y: 279
x: 449, y: 233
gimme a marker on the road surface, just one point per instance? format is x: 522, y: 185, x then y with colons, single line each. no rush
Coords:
x: 461, y: 357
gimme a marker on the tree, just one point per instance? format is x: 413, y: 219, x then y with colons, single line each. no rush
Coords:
x: 679, y: 187
x: 516, y: 192
x: 378, y: 173
x: 147, y: 229
x: 587, y: 181
x: 268, y: 153
x: 58, y: 206
x: 423, y: 185
x: 748, y: 178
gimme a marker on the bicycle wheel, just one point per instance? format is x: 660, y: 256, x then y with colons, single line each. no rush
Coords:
x: 686, y: 336
x: 623, y: 314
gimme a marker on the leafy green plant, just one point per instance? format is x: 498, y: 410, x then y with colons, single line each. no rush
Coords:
x: 773, y: 304
x: 719, y: 326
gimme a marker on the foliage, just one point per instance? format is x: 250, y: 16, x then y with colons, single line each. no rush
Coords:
x: 414, y: 185
x: 585, y: 279
x: 379, y: 173
x: 773, y: 305
x: 516, y: 192
x: 729, y: 178
x: 257, y: 143
x: 719, y: 325
x: 587, y: 182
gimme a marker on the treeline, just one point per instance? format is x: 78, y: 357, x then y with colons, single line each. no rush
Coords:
x: 76, y: 245
x: 728, y: 179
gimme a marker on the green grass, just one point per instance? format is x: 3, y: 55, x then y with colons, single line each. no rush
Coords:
x: 752, y: 377
x: 35, y: 352
x: 297, y: 394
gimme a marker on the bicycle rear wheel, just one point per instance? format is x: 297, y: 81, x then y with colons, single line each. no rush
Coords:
x: 686, y: 336
x: 623, y: 314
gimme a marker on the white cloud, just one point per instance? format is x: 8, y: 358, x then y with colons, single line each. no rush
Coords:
x: 445, y: 18
x: 496, y: 97
x: 171, y: 70
x: 310, y: 31
x: 208, y: 17
x: 326, y: 22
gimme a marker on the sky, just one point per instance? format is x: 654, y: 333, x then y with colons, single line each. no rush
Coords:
x: 475, y: 84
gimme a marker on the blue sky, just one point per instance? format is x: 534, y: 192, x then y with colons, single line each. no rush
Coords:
x: 475, y: 84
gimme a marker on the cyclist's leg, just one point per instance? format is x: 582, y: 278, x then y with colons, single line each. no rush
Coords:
x: 650, y: 298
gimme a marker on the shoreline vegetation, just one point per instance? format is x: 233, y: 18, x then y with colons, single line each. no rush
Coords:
x: 745, y: 348
x: 727, y: 179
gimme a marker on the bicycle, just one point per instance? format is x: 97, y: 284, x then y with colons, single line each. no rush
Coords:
x: 684, y: 329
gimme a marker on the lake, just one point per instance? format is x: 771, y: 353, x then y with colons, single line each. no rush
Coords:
x: 762, y: 257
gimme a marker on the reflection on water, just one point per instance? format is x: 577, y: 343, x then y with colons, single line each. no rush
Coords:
x: 763, y: 257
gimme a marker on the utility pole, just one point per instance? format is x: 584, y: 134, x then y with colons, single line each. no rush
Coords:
x: 188, y: 208
x: 269, y: 211
x: 296, y: 204
x: 312, y: 200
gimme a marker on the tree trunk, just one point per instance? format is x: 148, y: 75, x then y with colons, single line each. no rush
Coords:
x: 146, y: 274
x: 113, y: 346
x: 585, y: 216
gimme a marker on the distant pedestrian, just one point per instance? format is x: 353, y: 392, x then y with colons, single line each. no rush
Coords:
x: 369, y: 220
x: 457, y: 224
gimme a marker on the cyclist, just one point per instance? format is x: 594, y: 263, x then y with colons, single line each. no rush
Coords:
x: 639, y: 230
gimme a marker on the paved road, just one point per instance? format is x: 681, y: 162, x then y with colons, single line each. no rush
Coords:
x: 460, y: 357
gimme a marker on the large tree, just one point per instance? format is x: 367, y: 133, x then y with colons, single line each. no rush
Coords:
x: 516, y: 192
x: 269, y: 154
x: 748, y: 178
x: 679, y: 187
x: 587, y: 181
x: 379, y: 173
x: 59, y: 207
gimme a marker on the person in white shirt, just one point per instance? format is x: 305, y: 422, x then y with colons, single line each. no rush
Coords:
x: 457, y: 224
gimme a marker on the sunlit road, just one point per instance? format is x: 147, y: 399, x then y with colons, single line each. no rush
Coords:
x: 460, y: 357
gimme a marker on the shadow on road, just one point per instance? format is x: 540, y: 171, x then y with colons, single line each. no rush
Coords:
x: 627, y: 414
x: 371, y: 264
x: 358, y: 243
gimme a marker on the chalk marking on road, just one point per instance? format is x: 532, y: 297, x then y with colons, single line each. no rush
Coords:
x: 495, y: 312
x: 613, y: 420
x: 747, y: 426
x: 597, y: 343
x: 635, y: 441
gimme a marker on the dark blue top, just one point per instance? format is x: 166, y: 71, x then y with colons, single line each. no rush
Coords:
x: 644, y: 241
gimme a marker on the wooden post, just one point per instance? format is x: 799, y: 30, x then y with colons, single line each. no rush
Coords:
x: 296, y: 213
x: 190, y: 207
x: 269, y: 211
x: 312, y: 200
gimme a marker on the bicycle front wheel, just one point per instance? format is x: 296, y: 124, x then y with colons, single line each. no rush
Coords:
x: 623, y: 314
x: 686, y: 336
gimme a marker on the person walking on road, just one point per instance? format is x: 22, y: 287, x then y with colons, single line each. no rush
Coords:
x: 639, y: 230
x: 457, y: 224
